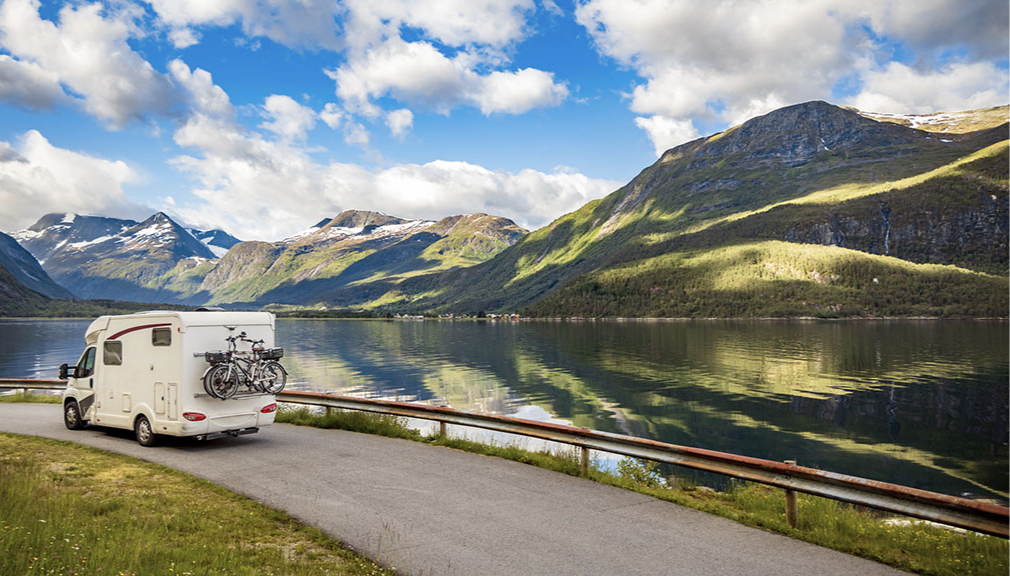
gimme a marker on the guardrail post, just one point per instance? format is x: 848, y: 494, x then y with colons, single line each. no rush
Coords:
x: 584, y: 463
x: 792, y: 507
x: 443, y: 429
x: 329, y: 410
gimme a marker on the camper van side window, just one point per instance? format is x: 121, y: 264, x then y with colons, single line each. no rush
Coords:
x: 113, y: 355
x: 161, y: 337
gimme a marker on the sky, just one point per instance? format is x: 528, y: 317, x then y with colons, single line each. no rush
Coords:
x: 262, y: 117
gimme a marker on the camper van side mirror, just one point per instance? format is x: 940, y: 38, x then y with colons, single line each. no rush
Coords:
x: 63, y: 371
x: 66, y: 371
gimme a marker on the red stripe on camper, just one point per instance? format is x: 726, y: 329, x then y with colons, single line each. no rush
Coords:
x: 135, y: 328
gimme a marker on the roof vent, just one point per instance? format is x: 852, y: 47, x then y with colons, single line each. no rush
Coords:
x: 210, y: 309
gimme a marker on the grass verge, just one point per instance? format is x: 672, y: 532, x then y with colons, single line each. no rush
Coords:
x: 916, y: 547
x: 31, y: 397
x: 72, y: 510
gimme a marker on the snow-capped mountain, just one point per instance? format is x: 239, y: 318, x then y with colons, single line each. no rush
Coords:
x: 99, y: 257
x: 158, y: 260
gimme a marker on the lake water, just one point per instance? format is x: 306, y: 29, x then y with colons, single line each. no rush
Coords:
x: 919, y: 403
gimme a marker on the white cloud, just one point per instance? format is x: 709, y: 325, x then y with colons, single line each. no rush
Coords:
x: 89, y: 53
x: 458, y: 55
x: 928, y: 26
x: 287, y: 118
x: 399, y: 122
x: 331, y: 115
x: 494, y: 23
x: 37, y: 178
x: 308, y: 24
x: 666, y: 133
x: 419, y: 74
x: 205, y: 96
x: 414, y: 72
x: 356, y: 134
x: 899, y: 89
x: 28, y: 85
x: 183, y: 38
x: 729, y: 61
x: 518, y: 92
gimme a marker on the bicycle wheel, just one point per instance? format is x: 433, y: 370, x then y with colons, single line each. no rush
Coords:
x: 273, y: 377
x: 221, y: 383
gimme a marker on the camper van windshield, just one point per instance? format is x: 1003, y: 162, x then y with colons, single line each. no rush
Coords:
x: 86, y: 365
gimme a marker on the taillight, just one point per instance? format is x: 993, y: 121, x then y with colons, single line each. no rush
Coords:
x: 194, y: 416
x: 269, y: 408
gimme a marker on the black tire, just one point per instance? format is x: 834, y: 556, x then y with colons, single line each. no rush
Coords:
x: 72, y: 415
x: 218, y: 384
x: 273, y: 377
x: 145, y: 432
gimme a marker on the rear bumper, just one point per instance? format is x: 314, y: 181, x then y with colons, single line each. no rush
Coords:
x: 216, y: 425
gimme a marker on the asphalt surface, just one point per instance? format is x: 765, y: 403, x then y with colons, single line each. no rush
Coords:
x: 425, y: 510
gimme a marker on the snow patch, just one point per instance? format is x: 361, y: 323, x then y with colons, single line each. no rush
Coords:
x: 68, y: 218
x: 159, y: 230
x: 25, y: 234
x: 917, y: 120
x: 82, y: 245
x: 301, y: 234
x: 399, y: 228
x: 217, y: 251
x: 338, y: 231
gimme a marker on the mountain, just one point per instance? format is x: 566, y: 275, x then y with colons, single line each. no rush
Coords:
x: 97, y: 257
x: 355, y: 257
x: 16, y: 299
x: 218, y: 241
x: 810, y: 210
x: 23, y: 267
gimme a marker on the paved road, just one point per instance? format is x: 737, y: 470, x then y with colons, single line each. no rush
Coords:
x: 433, y: 511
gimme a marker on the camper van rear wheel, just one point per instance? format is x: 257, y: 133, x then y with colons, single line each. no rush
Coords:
x: 72, y: 416
x: 145, y: 434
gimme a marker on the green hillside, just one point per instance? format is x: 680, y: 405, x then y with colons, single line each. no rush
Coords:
x: 355, y: 257
x: 811, y: 174
x: 778, y: 279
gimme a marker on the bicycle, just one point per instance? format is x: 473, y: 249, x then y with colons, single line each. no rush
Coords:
x: 228, y: 370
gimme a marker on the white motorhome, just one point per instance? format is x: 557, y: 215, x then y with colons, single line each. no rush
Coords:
x: 144, y: 372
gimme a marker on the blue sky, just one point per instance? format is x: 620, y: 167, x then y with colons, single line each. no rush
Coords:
x: 264, y: 116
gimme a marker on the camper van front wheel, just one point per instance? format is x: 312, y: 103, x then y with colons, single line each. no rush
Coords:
x: 72, y: 416
x: 145, y: 434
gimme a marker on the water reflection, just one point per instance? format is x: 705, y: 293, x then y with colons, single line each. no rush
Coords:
x: 923, y: 404
x: 920, y: 403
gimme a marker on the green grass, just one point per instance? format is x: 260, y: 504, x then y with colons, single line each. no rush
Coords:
x: 31, y: 397
x: 379, y: 424
x: 918, y: 547
x: 73, y: 510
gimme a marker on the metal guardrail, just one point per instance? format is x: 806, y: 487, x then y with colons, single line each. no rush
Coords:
x: 951, y: 510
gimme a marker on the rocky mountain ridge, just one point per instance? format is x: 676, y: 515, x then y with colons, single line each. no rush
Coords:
x: 804, y: 174
x: 25, y: 269
x: 98, y: 257
x: 160, y: 261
